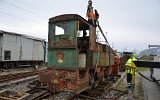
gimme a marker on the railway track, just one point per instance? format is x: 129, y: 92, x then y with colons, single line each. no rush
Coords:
x: 11, y: 77
x: 103, y: 91
x: 38, y: 94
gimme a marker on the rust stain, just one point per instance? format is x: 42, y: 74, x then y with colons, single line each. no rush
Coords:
x: 60, y: 56
x: 64, y: 42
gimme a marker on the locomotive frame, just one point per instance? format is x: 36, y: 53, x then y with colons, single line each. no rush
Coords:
x: 72, y: 66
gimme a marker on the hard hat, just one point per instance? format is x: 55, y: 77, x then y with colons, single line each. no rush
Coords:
x: 89, y: 2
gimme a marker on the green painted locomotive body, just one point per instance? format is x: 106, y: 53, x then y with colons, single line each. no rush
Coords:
x: 74, y: 55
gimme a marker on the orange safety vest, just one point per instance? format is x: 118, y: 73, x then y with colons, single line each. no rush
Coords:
x: 115, y: 66
x: 91, y: 15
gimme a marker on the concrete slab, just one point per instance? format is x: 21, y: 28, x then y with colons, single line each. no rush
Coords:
x: 151, y: 89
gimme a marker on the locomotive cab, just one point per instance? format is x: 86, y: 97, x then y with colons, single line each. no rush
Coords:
x: 70, y: 38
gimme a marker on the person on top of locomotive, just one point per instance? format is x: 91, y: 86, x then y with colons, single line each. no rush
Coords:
x: 92, y: 14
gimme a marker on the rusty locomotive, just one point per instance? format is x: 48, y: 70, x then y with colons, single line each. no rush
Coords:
x: 75, y: 59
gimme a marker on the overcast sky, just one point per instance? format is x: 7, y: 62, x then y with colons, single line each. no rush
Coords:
x: 130, y: 24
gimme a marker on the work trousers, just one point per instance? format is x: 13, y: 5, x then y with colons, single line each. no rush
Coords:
x: 92, y: 21
x: 130, y: 80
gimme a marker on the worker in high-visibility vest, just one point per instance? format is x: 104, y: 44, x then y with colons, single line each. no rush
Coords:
x: 130, y: 70
x: 90, y: 14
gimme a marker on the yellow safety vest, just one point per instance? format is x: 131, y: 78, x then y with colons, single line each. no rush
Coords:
x: 130, y: 66
x: 133, y: 66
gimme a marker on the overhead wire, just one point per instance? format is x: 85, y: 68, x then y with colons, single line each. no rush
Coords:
x: 20, y: 19
x: 11, y: 20
x: 24, y: 9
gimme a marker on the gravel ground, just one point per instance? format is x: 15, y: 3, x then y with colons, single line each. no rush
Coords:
x: 20, y: 86
x: 138, y: 91
x: 13, y: 71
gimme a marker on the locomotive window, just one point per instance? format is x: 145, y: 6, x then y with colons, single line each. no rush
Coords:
x: 80, y: 33
x: 61, y: 28
x: 7, y: 55
x: 59, y: 31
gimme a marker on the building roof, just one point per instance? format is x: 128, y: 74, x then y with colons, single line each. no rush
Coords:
x: 23, y: 35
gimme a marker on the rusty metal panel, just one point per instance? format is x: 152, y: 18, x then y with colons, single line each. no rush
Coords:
x: 109, y: 58
x: 92, y: 41
x: 96, y: 57
x: 89, y: 59
x: 92, y: 59
x: 100, y: 47
x: 62, y: 58
x: 82, y: 61
x: 66, y: 17
x: 66, y: 40
x: 62, y: 53
x: 102, y: 60
x: 99, y: 58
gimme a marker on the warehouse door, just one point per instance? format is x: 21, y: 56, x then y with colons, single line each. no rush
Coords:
x: 1, y: 47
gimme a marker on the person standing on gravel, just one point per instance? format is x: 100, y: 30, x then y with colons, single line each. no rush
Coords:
x: 130, y: 70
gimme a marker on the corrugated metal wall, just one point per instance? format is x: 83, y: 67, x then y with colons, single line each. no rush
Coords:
x: 38, y: 50
x: 11, y: 43
x: 22, y: 48
x: 26, y: 49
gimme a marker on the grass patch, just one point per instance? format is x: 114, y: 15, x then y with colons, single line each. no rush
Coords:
x: 142, y: 69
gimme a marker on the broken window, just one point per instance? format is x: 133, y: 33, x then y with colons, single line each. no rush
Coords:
x: 61, y: 28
